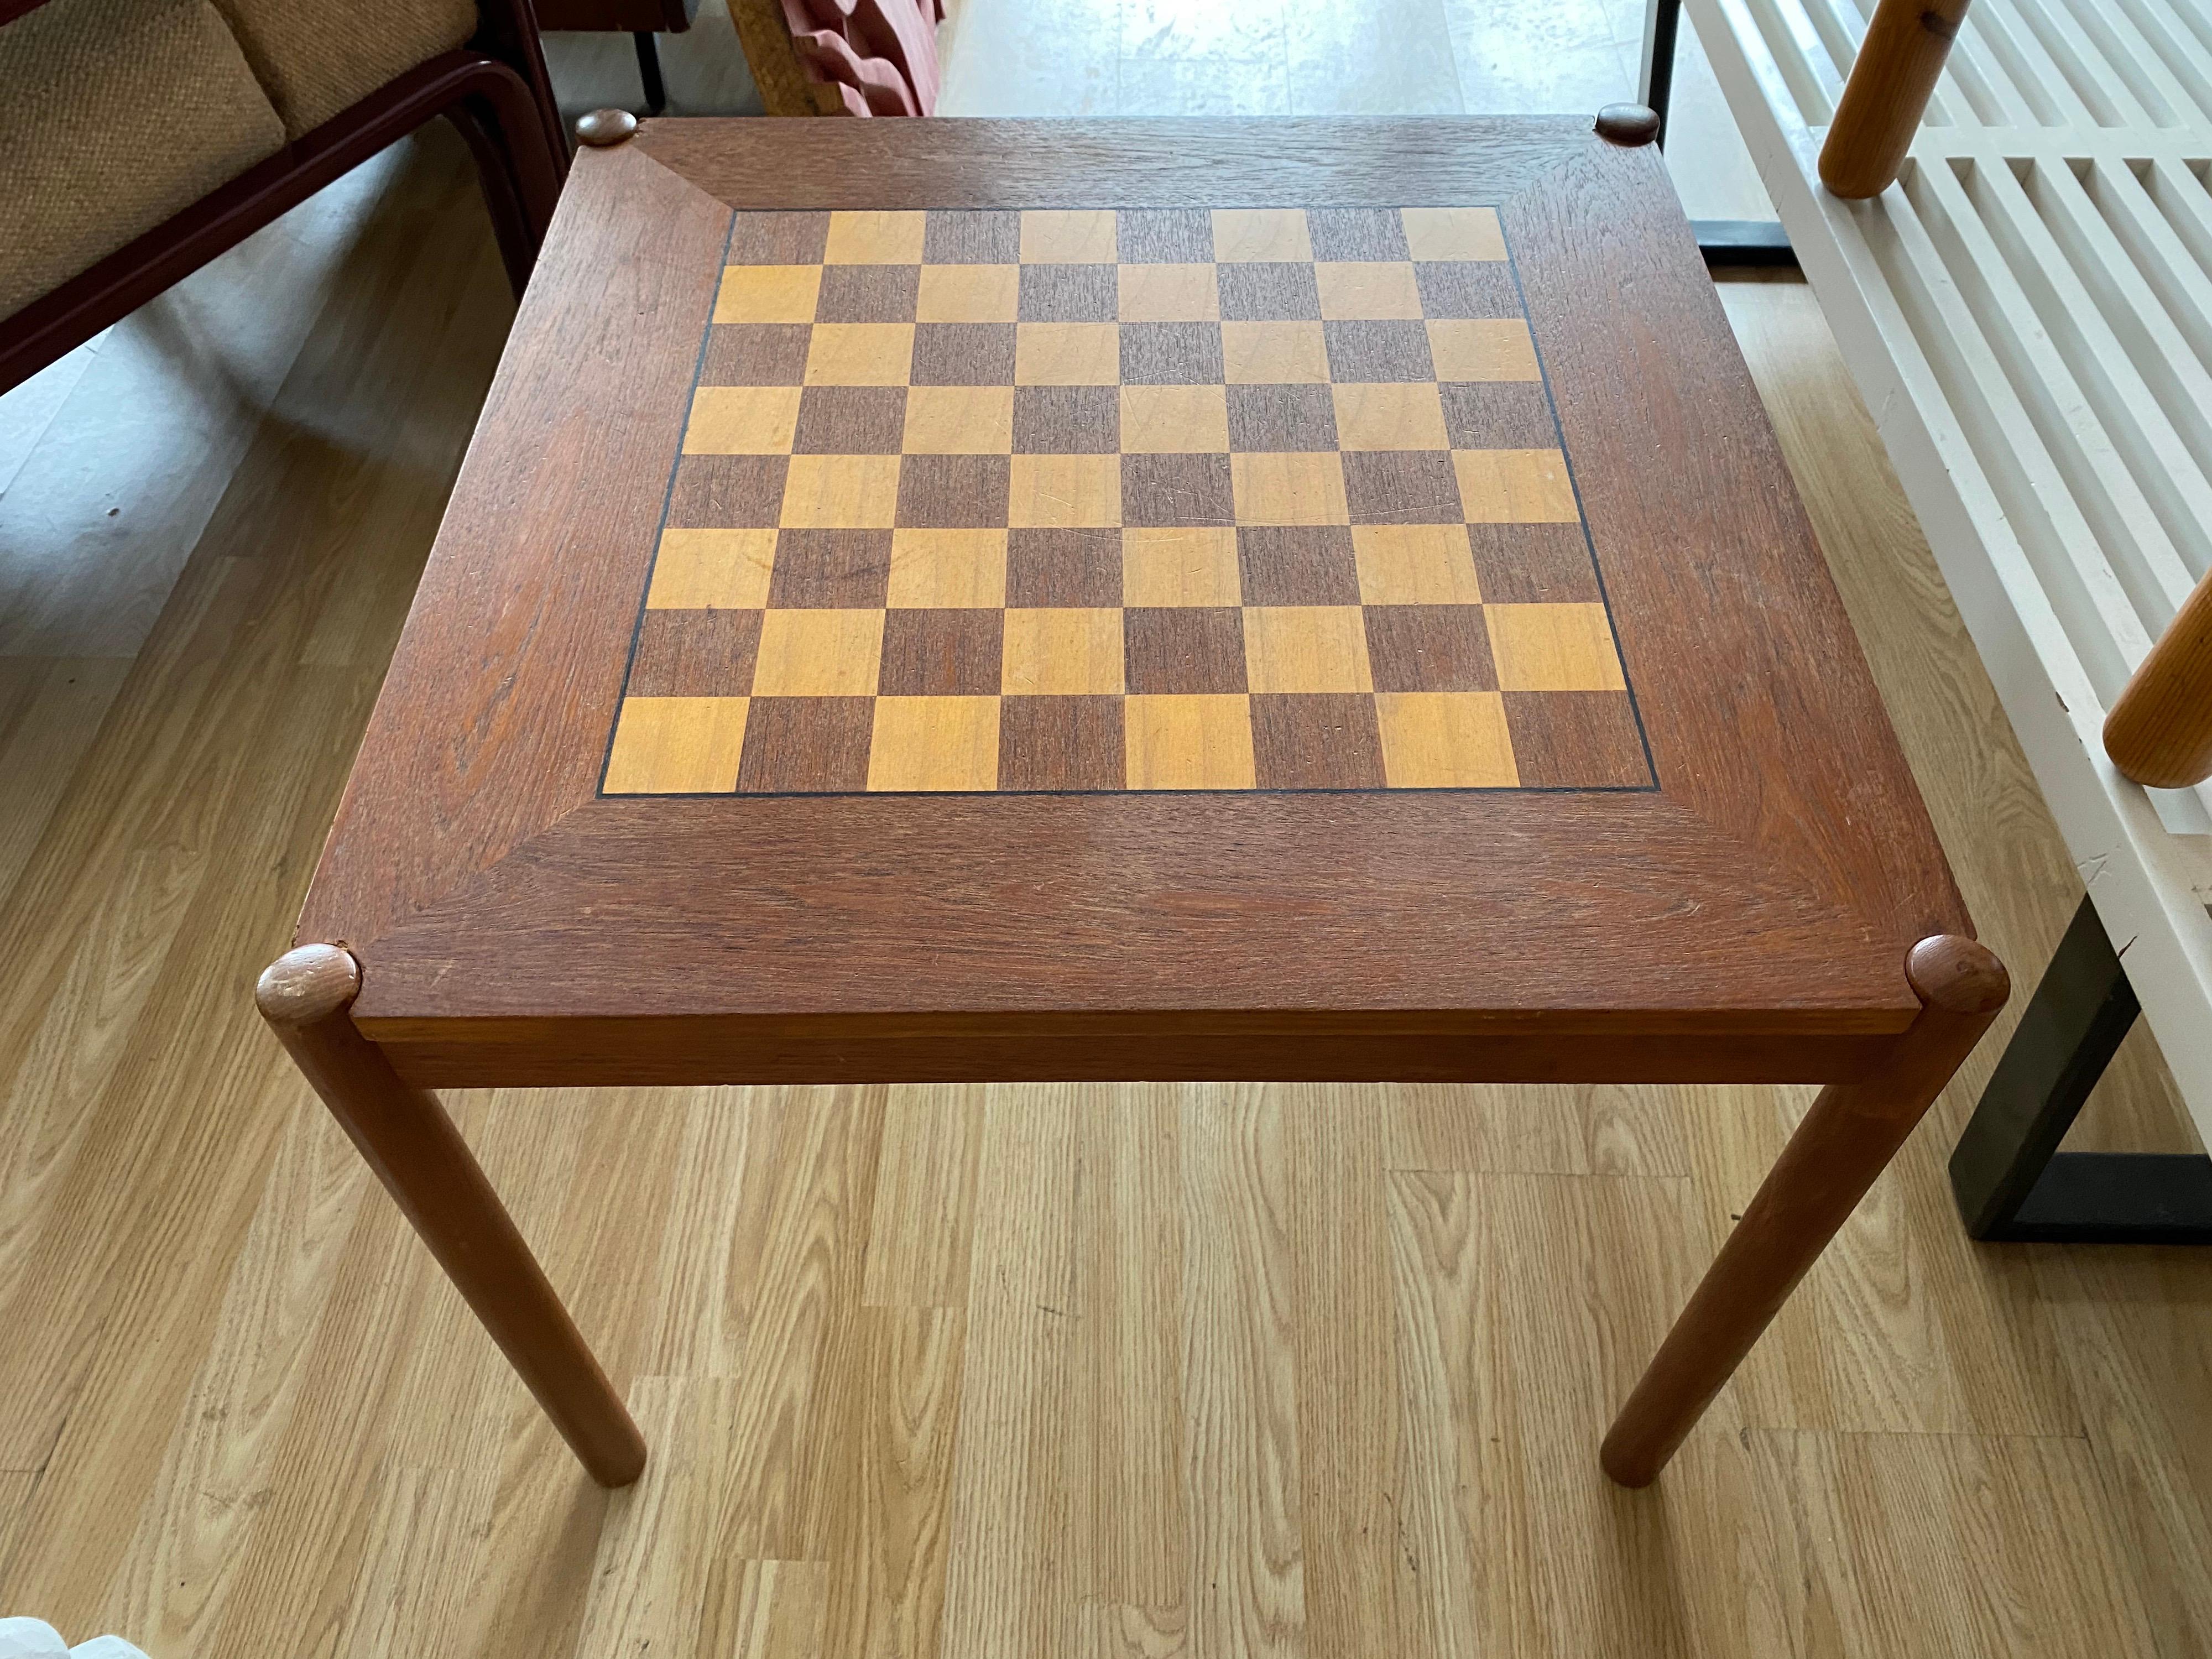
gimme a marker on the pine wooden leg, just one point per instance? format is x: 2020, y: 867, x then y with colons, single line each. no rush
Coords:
x: 1844, y: 1143
x: 306, y: 996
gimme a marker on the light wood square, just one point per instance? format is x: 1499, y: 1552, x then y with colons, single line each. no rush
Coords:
x: 677, y: 746
x: 1445, y: 740
x: 1070, y: 491
x: 1188, y: 742
x: 1296, y: 489
x: 959, y: 420
x: 1554, y: 648
x: 818, y: 654
x: 1061, y: 237
x: 1174, y: 419
x: 742, y: 420
x: 840, y: 492
x: 1274, y: 354
x: 712, y: 570
x: 1169, y: 294
x: 969, y: 293
x: 1306, y: 647
x: 1062, y: 653
x: 948, y: 569
x: 1180, y: 565
x: 1388, y: 415
x: 873, y: 237
x: 1415, y: 564
x: 1067, y: 354
x: 1452, y: 233
x: 1483, y: 348
x: 768, y: 294
x: 934, y: 744
x: 860, y: 353
x: 1376, y: 290
x: 1274, y: 234
x: 1515, y: 486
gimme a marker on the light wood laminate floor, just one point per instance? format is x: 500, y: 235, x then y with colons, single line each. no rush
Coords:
x: 991, y: 1372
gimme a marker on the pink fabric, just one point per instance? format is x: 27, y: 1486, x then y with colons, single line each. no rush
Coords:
x: 881, y: 55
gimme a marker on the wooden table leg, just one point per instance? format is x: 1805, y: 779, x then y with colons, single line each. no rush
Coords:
x: 1845, y: 1140
x: 306, y: 996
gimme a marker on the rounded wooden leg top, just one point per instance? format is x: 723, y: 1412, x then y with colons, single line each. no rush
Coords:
x: 1843, y: 1143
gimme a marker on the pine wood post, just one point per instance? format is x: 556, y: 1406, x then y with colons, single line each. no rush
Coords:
x: 1891, y: 82
x: 1845, y: 1140
x: 2159, y: 731
x: 306, y: 996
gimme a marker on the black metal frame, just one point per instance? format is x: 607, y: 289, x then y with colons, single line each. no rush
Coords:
x: 1723, y: 241
x: 648, y: 71
x: 2012, y: 1181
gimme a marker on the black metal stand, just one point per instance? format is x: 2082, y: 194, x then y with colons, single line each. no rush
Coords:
x: 1723, y: 241
x: 648, y: 71
x: 2012, y: 1181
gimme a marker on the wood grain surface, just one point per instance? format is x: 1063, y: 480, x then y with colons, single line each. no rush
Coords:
x: 241, y: 1398
x: 1768, y: 889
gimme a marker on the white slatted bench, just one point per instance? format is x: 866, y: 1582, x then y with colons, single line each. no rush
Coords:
x: 2028, y: 312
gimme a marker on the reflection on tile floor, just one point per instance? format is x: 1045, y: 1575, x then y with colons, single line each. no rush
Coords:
x: 1134, y: 58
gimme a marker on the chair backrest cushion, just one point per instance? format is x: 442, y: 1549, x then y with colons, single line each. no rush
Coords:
x: 314, y: 58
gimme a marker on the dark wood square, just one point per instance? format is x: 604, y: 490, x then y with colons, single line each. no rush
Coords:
x: 779, y: 239
x: 1532, y: 563
x: 1272, y: 419
x: 1184, y: 648
x: 1056, y: 568
x: 1176, y: 489
x: 1170, y: 236
x: 755, y: 353
x: 1401, y: 486
x: 830, y: 569
x: 971, y: 238
x: 953, y: 492
x: 850, y: 420
x: 1069, y: 293
x: 1171, y: 354
x: 963, y: 354
x: 807, y: 745
x: 695, y: 653
x: 868, y: 294
x: 1576, y: 740
x: 1315, y: 740
x: 1467, y: 288
x: 728, y: 492
x: 1060, y: 743
x: 942, y: 653
x: 1261, y: 291
x: 1498, y: 415
x: 1067, y: 420
x: 1430, y: 648
x: 1297, y: 564
x: 1363, y: 233
x: 1378, y: 350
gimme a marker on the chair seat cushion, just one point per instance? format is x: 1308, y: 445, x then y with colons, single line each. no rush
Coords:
x: 316, y: 57
x: 119, y: 114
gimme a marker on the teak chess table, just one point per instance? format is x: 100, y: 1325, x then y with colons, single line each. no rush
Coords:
x: 1019, y: 600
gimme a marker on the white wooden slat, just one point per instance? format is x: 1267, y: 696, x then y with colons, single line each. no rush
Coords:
x: 1805, y: 61
x: 2028, y: 314
x: 2151, y: 498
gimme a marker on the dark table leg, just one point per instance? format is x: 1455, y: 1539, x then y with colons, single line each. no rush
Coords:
x: 2012, y: 1181
x: 1723, y: 241
x: 648, y: 71
x: 1841, y: 1144
x: 403, y: 1132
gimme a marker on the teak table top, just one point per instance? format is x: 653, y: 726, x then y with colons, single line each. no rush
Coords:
x: 1009, y: 599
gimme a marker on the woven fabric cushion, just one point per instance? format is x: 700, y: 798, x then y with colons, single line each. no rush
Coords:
x: 118, y: 114
x: 317, y: 57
